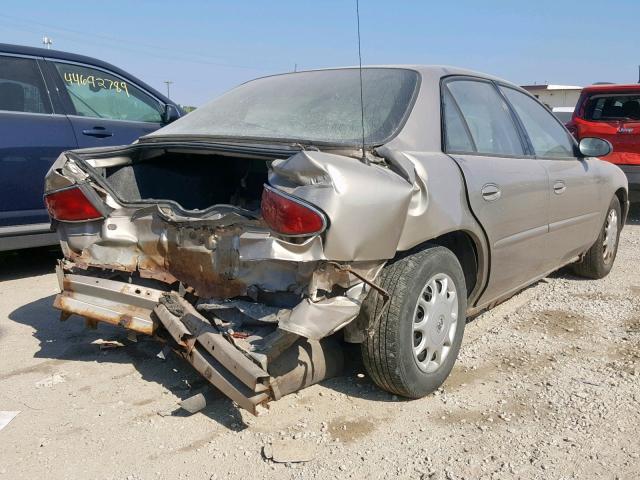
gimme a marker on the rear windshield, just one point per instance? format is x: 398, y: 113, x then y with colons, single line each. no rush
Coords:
x: 320, y: 106
x: 613, y: 107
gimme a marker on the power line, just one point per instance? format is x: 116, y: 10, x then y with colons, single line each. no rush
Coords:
x: 135, y: 46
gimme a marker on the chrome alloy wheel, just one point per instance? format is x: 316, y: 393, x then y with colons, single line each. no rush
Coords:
x: 435, y: 320
x: 610, y: 236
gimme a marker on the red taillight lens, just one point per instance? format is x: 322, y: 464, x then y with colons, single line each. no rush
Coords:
x: 71, y: 206
x: 289, y: 216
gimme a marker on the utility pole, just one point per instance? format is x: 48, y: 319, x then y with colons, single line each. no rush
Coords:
x: 168, y: 82
x: 47, y: 41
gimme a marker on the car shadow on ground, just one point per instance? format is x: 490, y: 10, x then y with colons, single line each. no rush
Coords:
x: 71, y: 341
x: 633, y: 218
x: 28, y: 262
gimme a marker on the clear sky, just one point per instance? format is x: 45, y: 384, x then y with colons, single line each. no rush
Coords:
x: 207, y: 47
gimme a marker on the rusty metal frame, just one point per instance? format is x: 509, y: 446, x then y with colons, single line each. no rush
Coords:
x: 110, y: 301
x: 221, y: 363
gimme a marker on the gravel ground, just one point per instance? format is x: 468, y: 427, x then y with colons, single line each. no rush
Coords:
x: 547, y: 386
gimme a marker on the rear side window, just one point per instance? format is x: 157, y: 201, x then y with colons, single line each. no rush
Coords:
x: 456, y: 135
x: 548, y: 137
x: 21, y: 86
x: 612, y: 107
x: 95, y: 93
x: 487, y: 117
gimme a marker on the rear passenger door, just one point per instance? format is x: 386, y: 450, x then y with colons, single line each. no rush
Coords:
x: 105, y: 109
x: 32, y: 135
x: 507, y: 187
x: 575, y: 212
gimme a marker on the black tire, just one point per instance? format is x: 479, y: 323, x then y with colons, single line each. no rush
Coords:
x: 594, y: 264
x: 387, y: 351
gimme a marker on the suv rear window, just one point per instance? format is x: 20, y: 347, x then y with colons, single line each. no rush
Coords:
x: 613, y: 107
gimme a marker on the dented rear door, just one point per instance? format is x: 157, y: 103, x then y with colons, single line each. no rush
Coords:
x: 507, y: 189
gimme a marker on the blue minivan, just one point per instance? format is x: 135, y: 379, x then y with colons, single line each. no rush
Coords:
x: 53, y: 101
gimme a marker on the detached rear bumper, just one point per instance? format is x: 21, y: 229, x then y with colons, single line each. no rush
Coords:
x: 101, y: 300
x: 633, y: 176
x: 250, y: 371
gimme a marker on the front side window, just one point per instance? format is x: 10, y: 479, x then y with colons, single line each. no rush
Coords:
x: 95, y: 93
x: 548, y: 137
x: 487, y: 117
x: 21, y: 86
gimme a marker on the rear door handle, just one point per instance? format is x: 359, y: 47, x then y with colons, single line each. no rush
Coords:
x: 491, y: 192
x: 559, y: 187
x: 98, y: 132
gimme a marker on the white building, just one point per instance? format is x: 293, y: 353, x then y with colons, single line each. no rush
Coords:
x: 555, y: 95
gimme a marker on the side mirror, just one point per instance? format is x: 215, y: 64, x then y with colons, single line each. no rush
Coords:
x: 595, y: 147
x: 170, y: 114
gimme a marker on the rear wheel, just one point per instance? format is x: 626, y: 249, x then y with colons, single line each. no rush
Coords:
x: 413, y: 345
x: 598, y: 260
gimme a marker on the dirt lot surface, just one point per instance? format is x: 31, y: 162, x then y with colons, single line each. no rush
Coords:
x: 547, y: 386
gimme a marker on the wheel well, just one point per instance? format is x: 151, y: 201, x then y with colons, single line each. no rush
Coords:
x: 621, y: 193
x: 464, y: 248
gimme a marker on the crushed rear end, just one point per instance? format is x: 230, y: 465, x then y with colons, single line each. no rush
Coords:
x: 244, y: 258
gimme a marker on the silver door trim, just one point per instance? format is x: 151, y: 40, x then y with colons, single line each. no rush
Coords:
x: 521, y: 236
x: 25, y: 229
x: 568, y: 222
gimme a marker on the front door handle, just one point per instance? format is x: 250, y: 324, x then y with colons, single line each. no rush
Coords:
x: 491, y: 192
x: 559, y: 187
x: 98, y: 132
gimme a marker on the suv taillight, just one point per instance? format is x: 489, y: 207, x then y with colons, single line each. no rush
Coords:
x: 71, y: 205
x: 290, y: 216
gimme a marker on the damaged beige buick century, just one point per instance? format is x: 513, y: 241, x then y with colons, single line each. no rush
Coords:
x: 261, y: 231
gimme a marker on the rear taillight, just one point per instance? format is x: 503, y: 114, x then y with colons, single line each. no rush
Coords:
x: 288, y: 215
x: 71, y: 205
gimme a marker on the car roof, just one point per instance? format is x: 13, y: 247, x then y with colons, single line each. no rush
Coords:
x: 73, y: 57
x: 422, y: 128
x: 447, y: 70
x: 619, y: 87
x: 426, y: 70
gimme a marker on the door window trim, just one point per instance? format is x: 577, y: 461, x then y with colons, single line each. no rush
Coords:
x: 446, y: 92
x: 67, y: 99
x: 524, y: 141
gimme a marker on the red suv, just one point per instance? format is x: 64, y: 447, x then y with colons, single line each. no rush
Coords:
x: 612, y: 112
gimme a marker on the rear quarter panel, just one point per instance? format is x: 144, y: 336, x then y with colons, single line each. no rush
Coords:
x: 439, y: 205
x: 612, y: 179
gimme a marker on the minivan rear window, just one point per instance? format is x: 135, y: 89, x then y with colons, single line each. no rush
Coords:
x: 613, y: 107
